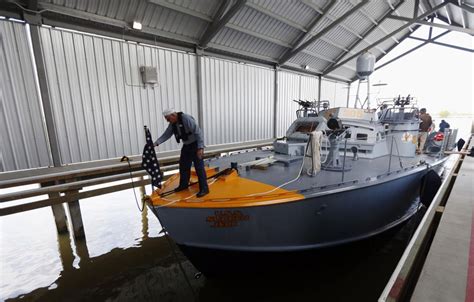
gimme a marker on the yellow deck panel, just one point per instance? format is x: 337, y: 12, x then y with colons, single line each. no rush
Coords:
x: 227, y: 191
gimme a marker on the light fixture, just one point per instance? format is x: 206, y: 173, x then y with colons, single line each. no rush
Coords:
x: 306, y: 67
x: 137, y: 25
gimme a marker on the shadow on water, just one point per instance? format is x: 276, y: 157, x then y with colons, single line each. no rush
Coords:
x: 358, y: 272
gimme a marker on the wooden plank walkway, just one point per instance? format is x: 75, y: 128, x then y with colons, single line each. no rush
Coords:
x: 448, y: 272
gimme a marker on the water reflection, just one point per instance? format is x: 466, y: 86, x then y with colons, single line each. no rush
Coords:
x: 124, y: 258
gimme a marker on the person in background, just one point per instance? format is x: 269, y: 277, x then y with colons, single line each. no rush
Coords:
x: 443, y: 125
x: 425, y: 124
x: 185, y: 128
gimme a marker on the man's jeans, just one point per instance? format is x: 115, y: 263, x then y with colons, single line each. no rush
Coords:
x: 189, y: 156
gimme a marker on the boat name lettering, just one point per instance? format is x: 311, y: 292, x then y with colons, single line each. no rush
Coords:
x: 226, y: 219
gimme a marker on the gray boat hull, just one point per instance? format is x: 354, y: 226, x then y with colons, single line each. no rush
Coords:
x: 336, y: 217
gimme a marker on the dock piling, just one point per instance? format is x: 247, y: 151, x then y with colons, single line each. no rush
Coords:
x: 59, y: 213
x: 75, y: 215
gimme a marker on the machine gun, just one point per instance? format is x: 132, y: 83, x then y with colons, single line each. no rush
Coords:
x: 307, y: 109
x: 400, y: 101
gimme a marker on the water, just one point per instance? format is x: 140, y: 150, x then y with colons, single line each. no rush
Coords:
x: 124, y: 257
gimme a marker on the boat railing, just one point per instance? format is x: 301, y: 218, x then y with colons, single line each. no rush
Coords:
x: 391, y: 153
x: 359, y: 181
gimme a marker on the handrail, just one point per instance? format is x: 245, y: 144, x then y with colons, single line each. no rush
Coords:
x: 84, y: 177
x: 106, y: 167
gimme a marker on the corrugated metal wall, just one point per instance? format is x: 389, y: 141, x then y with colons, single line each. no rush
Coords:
x: 335, y: 92
x: 23, y: 141
x: 293, y: 86
x: 238, y: 101
x: 100, y: 106
x: 99, y: 103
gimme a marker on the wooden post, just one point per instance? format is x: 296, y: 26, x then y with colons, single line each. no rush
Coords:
x: 59, y: 213
x: 144, y: 212
x: 65, y: 252
x: 76, y: 217
x: 145, y: 223
x: 75, y: 214
x: 142, y: 188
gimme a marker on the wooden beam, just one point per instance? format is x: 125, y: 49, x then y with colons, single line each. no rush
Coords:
x: 69, y: 198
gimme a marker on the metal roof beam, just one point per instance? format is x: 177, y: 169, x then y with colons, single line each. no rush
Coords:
x: 86, y: 16
x: 218, y: 24
x: 312, y: 25
x: 180, y: 9
x: 367, y: 33
x: 296, y: 50
x: 273, y: 40
x: 464, y: 6
x: 449, y: 27
x: 276, y: 16
x: 412, y: 50
x: 325, y: 14
x: 444, y: 19
x: 33, y: 5
x: 442, y: 44
x: 426, y: 14
x: 416, y: 9
x: 257, y: 35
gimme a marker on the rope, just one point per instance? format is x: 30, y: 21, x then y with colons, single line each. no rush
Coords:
x: 125, y: 158
x: 226, y: 171
x: 176, y: 200
x: 174, y: 253
x: 288, y: 182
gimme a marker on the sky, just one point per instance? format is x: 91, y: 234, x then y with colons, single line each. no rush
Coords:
x: 441, y: 78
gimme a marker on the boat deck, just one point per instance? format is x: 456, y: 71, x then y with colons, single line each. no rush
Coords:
x: 448, y: 272
x: 363, y: 170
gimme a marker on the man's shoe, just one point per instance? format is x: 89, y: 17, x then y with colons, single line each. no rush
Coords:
x: 202, y: 193
x: 180, y: 188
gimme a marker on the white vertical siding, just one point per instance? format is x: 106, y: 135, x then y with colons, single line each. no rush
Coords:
x: 99, y: 103
x: 238, y: 102
x: 334, y: 92
x: 23, y: 142
x: 309, y: 88
x: 288, y: 90
x: 293, y: 86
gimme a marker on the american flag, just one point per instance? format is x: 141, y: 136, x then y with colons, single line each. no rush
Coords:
x: 150, y: 162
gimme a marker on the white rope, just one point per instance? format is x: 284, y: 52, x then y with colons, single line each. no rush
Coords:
x: 182, y: 199
x: 288, y: 182
x: 316, y: 138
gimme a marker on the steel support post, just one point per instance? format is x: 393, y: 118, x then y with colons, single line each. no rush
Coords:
x: 45, y: 96
x: 199, y: 53
x: 275, y: 103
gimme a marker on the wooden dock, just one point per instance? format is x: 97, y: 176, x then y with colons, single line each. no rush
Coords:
x: 65, y: 184
x: 438, y: 263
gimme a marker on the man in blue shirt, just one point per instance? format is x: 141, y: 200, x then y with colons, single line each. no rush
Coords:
x: 184, y: 127
x: 443, y: 125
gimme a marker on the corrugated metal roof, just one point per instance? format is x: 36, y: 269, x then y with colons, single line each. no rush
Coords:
x: 260, y: 23
x: 263, y: 29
